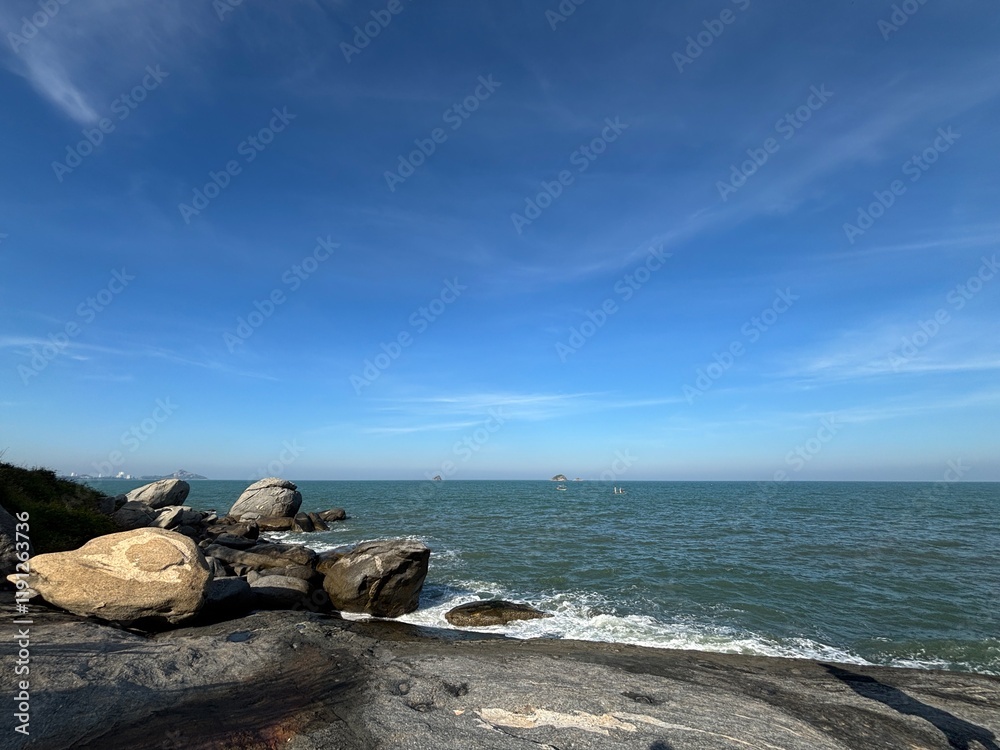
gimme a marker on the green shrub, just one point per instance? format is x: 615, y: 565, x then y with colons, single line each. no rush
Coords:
x: 63, y: 514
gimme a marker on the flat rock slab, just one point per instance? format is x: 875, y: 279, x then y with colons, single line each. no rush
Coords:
x: 302, y: 681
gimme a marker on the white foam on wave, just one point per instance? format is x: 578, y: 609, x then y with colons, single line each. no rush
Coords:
x: 588, y: 617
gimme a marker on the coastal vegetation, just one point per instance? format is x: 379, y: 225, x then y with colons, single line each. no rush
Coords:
x: 64, y: 514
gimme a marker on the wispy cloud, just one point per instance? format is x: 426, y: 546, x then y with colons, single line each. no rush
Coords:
x: 887, y: 349
x: 527, y: 406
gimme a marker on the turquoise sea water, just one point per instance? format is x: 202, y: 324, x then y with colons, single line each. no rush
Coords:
x: 905, y: 574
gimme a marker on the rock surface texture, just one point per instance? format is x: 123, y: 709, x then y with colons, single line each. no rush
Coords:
x: 266, y: 498
x: 147, y: 575
x: 161, y: 494
x: 381, y: 578
x: 307, y: 682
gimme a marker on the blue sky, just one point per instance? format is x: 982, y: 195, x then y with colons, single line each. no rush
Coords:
x: 692, y: 240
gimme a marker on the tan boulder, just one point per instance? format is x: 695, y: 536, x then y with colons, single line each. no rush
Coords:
x: 146, y: 574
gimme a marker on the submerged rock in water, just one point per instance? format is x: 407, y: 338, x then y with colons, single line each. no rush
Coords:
x: 492, y: 612
x: 378, y: 578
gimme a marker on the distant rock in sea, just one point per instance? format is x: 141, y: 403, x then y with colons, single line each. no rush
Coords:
x: 559, y: 478
x: 437, y: 479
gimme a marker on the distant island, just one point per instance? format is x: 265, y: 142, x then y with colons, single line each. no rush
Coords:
x: 559, y: 478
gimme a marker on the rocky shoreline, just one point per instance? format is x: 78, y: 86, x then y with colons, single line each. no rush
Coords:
x: 187, y: 630
x: 306, y: 681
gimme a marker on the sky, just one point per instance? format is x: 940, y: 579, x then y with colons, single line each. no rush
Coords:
x: 328, y: 239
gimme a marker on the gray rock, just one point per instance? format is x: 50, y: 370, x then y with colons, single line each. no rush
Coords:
x: 191, y: 517
x: 318, y: 523
x: 235, y: 542
x: 268, y: 497
x: 307, y: 682
x: 275, y: 523
x: 247, y: 530
x: 492, y: 612
x: 168, y: 518
x: 334, y: 514
x: 302, y: 522
x: 162, y: 493
x: 263, y: 555
x: 305, y: 572
x: 227, y: 597
x: 325, y: 560
x: 142, y: 575
x: 134, y: 515
x: 381, y: 578
x: 294, y: 554
x: 218, y: 568
x: 8, y: 543
x: 279, y: 592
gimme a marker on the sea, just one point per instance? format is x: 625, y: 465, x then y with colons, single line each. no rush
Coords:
x: 898, y: 574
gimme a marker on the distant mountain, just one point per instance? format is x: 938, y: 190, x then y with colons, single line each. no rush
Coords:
x: 181, y: 474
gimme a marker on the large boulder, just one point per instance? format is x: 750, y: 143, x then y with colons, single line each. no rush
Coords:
x: 381, y: 578
x: 493, y: 612
x: 148, y: 575
x: 8, y: 543
x: 161, y: 494
x: 268, y: 497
